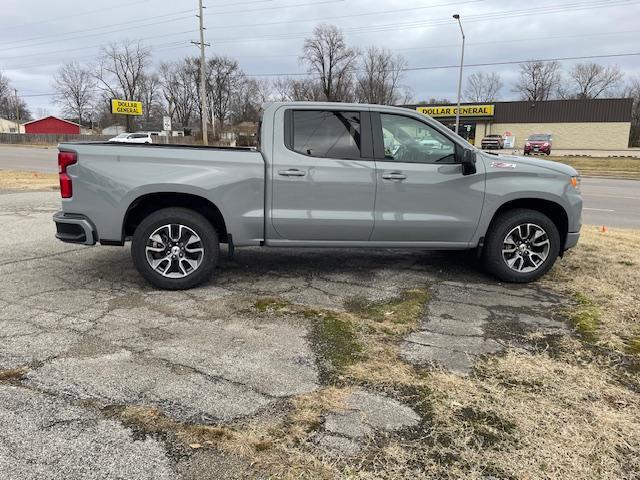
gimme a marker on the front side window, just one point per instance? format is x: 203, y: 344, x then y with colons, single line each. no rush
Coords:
x: 326, y: 133
x: 410, y: 141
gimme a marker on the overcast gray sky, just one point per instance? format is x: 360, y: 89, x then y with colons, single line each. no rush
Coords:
x: 266, y: 36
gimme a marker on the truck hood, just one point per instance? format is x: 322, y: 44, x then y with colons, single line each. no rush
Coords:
x: 534, y: 162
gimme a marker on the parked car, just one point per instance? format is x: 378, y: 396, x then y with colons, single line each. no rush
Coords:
x: 138, y: 137
x: 325, y: 175
x: 495, y: 142
x: 538, y: 143
x: 121, y: 137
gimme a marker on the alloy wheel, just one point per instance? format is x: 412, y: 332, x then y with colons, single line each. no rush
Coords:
x: 174, y: 251
x: 526, y: 247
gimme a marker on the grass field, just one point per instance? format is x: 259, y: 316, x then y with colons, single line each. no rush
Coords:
x: 603, y: 167
x: 22, y: 181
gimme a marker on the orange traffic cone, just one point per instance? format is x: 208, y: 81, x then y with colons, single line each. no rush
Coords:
x: 603, y: 229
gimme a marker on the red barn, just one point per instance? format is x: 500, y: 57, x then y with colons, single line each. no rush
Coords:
x: 52, y: 125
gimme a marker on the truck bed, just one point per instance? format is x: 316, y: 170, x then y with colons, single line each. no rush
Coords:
x: 109, y: 178
x: 165, y: 145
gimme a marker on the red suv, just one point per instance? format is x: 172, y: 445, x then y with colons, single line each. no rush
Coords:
x: 538, y: 143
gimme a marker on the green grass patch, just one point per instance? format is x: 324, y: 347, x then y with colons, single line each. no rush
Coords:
x: 633, y: 347
x: 334, y: 341
x: 585, y: 317
x: 270, y: 303
x: 404, y: 309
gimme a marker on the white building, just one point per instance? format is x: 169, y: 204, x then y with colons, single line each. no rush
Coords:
x: 9, y: 126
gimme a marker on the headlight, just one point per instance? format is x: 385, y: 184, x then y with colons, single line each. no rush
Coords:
x: 575, y: 182
x: 527, y: 144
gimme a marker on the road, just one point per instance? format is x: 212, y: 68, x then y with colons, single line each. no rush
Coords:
x: 610, y: 202
x: 33, y: 159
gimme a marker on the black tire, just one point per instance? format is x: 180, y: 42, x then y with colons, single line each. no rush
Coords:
x: 179, y: 216
x: 492, y: 255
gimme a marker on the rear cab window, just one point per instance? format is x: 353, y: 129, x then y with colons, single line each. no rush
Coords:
x: 325, y: 133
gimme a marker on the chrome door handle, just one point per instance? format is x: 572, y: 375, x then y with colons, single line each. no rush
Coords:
x: 394, y: 176
x: 292, y: 172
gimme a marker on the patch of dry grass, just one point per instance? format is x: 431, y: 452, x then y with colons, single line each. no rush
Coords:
x: 603, y: 167
x: 13, y: 374
x: 20, y: 180
x: 603, y: 274
x: 533, y: 416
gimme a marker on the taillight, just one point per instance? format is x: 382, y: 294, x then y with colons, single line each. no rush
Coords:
x: 64, y: 160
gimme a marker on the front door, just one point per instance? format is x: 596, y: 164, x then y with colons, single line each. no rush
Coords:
x: 324, y: 176
x: 422, y: 195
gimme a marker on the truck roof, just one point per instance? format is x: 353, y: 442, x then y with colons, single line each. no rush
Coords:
x: 333, y: 105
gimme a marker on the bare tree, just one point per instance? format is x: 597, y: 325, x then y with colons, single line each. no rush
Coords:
x: 178, y: 89
x: 538, y: 80
x: 225, y: 78
x: 75, y: 86
x: 591, y: 80
x: 331, y: 62
x: 150, y: 95
x: 632, y: 90
x: 483, y: 87
x: 11, y: 106
x: 380, y: 79
x: 121, y: 71
x: 301, y: 89
x: 248, y: 100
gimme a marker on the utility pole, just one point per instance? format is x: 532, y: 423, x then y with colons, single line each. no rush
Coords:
x: 203, y: 71
x: 457, y: 17
x: 15, y: 91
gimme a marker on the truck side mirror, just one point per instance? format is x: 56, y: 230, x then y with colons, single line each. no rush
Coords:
x: 468, y: 161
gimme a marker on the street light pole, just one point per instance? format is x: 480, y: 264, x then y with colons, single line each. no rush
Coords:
x: 457, y: 17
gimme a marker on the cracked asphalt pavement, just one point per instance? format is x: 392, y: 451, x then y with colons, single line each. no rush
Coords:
x: 82, y: 333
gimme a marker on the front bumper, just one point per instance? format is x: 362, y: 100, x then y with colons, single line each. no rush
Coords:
x: 546, y: 150
x: 572, y: 240
x: 74, y: 228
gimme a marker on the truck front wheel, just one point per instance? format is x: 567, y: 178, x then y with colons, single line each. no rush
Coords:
x: 521, y: 246
x: 175, y: 248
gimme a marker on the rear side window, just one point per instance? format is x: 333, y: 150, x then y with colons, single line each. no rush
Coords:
x: 326, y: 133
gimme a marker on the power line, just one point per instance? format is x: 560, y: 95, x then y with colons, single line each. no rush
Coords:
x: 443, y: 21
x: 431, y: 67
x: 353, y: 15
x: 72, y: 15
x: 361, y: 30
x: 486, y: 64
x: 135, y: 24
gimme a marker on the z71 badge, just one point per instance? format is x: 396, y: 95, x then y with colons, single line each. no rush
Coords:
x: 503, y: 165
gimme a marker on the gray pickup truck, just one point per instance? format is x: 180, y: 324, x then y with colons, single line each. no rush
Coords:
x: 324, y: 175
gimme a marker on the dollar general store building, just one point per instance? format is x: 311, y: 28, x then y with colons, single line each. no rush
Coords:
x: 591, y: 124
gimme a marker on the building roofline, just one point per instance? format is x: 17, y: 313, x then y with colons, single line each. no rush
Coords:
x: 53, y: 116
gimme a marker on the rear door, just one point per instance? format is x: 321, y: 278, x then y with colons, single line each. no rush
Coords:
x: 422, y: 195
x: 324, y: 176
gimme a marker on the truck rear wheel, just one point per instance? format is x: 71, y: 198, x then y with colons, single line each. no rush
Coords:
x: 521, y: 246
x: 175, y: 249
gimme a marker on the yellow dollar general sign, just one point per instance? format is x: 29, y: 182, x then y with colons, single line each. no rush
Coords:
x: 465, y: 111
x: 126, y: 107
